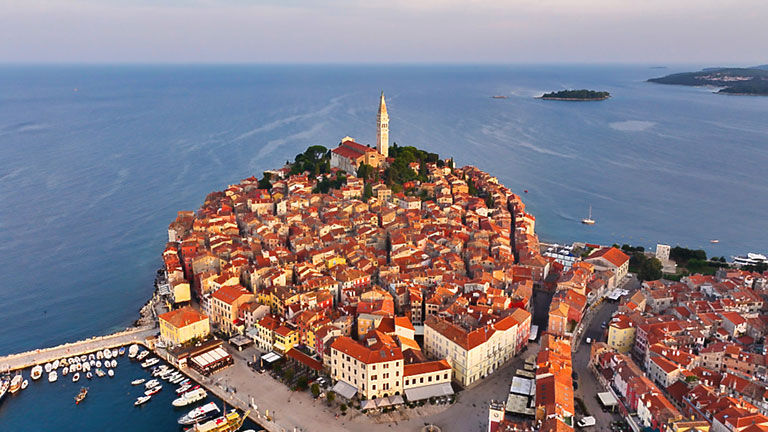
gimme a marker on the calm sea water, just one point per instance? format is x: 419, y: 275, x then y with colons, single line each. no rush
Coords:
x: 95, y: 161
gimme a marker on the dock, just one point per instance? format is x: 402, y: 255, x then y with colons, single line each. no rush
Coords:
x: 27, y: 359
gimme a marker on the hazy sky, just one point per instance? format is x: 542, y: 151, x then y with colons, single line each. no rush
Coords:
x: 498, y: 31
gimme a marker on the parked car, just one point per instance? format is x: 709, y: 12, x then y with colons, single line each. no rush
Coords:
x: 588, y: 341
x: 586, y: 422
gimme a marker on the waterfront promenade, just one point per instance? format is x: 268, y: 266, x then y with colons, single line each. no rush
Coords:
x: 40, y: 356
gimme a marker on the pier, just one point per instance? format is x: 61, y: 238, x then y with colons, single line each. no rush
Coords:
x: 27, y: 359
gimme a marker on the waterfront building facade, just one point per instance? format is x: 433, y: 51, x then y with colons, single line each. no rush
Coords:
x: 182, y: 325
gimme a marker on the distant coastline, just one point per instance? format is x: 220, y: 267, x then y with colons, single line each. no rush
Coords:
x: 576, y: 95
x: 730, y: 81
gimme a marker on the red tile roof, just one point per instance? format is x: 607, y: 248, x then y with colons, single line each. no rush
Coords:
x: 426, y: 367
x: 182, y: 317
x: 612, y: 255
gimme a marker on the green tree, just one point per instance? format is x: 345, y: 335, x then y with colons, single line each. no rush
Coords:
x: 650, y: 270
x: 367, y: 192
x: 343, y: 408
x: 289, y: 374
x: 302, y: 383
x: 365, y: 172
x: 315, y: 389
x: 265, y: 182
x: 331, y: 397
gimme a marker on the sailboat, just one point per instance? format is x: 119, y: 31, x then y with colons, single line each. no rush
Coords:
x: 588, y: 220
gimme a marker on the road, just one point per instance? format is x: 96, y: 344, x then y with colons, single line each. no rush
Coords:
x: 588, y: 384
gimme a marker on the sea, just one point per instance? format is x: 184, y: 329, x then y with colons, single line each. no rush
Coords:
x: 95, y: 161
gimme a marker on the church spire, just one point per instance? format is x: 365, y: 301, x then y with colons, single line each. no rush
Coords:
x: 382, y: 125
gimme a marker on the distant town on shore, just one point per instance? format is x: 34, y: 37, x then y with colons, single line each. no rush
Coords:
x: 735, y: 81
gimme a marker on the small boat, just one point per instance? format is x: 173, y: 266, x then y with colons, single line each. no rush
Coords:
x: 48, y: 367
x: 100, y: 373
x: 15, y: 384
x: 177, y: 380
x: 86, y: 366
x: 63, y: 362
x: 65, y: 371
x: 190, y: 397
x: 142, y: 355
x: 588, y: 220
x: 91, y: 357
x: 80, y: 396
x: 151, y: 383
x: 37, y: 372
x: 89, y: 375
x: 141, y: 400
x: 53, y: 376
x: 98, y: 363
x: 184, y: 382
x: 153, y: 390
x: 200, y: 414
x: 55, y: 365
x: 92, y: 363
x: 5, y: 383
x: 83, y: 358
x: 99, y: 355
x: 151, y: 362
x: 498, y: 97
x: 24, y: 384
x: 138, y: 381
x: 110, y: 372
x: 121, y: 351
x: 76, y: 377
x: 114, y: 363
x: 107, y: 353
x: 115, y: 352
x: 714, y: 241
x: 229, y: 422
x: 133, y: 350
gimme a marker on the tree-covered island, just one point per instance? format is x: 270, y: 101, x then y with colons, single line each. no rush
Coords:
x: 737, y: 81
x: 576, y: 95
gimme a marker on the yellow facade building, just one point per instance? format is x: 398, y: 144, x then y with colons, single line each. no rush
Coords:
x: 182, y: 325
x: 621, y: 334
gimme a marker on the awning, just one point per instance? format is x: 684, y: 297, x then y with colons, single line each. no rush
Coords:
x: 368, y: 404
x: 522, y: 386
x: 428, y: 391
x: 345, y: 389
x: 270, y: 357
x: 517, y: 404
x: 607, y: 399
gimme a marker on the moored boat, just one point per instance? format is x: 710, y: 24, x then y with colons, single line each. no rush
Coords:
x: 48, y: 367
x: 37, y: 372
x: 15, y: 384
x: 200, y: 414
x: 24, y: 384
x: 100, y: 372
x: 110, y: 372
x: 65, y: 371
x: 53, y: 376
x: 190, y: 397
x: 138, y: 381
x: 141, y: 400
x: 121, y: 351
x: 153, y: 390
x: 76, y: 377
x: 230, y: 422
x: 107, y: 353
x: 5, y: 383
x: 133, y: 350
x: 89, y: 375
x: 55, y: 365
x: 115, y: 352
x: 142, y: 355
x: 151, y: 362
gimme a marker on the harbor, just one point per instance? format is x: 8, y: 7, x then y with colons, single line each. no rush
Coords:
x: 167, y: 392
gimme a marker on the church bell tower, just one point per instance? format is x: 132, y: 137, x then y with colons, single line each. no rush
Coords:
x: 382, y: 128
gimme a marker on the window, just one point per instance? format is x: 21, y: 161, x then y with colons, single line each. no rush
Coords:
x: 406, y: 382
x: 373, y: 387
x: 421, y: 380
x: 430, y: 378
x: 445, y: 376
x: 373, y: 377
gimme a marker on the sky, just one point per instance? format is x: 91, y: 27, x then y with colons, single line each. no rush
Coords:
x: 384, y: 31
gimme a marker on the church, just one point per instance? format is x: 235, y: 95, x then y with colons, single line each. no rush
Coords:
x: 349, y: 155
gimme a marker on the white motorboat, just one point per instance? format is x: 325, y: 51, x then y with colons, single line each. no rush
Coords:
x: 184, y: 382
x: 37, y: 372
x: 141, y: 400
x: 114, y: 363
x: 16, y: 383
x: 110, y: 372
x: 99, y: 355
x: 200, y: 414
x: 151, y: 362
x: 55, y: 365
x: 53, y: 376
x: 138, y: 381
x: 190, y: 397
x: 183, y: 388
x: 83, y: 358
x: 91, y: 357
x: 89, y: 375
x: 142, y: 355
x: 48, y: 367
x: 151, y: 383
x: 177, y: 380
x: 107, y: 353
x: 65, y: 371
x: 24, y: 384
x: 115, y: 352
x: 98, y: 363
x: 92, y: 362
x: 153, y: 390
x: 76, y: 377
x: 99, y: 372
x: 63, y: 362
x: 133, y: 350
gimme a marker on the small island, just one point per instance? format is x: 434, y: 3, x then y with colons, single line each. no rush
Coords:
x: 735, y: 81
x: 576, y: 95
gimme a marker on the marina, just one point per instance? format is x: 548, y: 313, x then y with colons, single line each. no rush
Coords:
x: 124, y: 385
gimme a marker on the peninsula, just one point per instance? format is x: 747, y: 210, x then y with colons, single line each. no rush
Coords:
x: 734, y: 81
x: 576, y: 95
